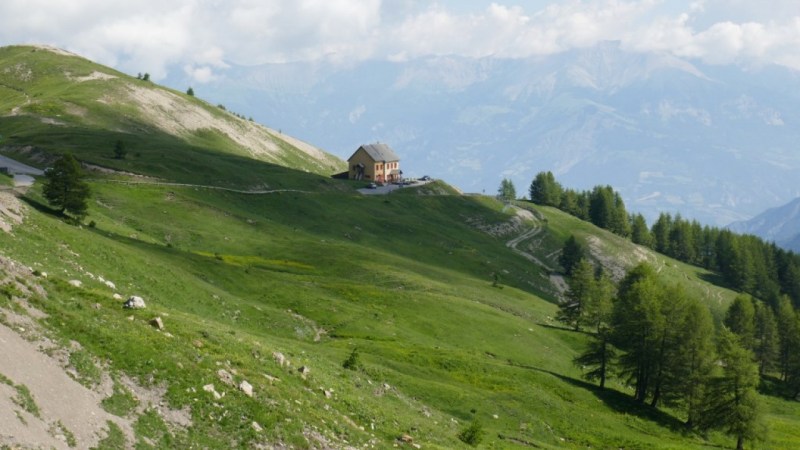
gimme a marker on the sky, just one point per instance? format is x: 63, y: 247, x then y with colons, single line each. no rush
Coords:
x: 202, y: 38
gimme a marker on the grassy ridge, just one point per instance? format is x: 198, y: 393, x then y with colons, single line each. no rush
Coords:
x: 59, y: 102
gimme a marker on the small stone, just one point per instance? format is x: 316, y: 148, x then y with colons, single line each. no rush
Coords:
x: 406, y: 438
x: 495, y: 416
x: 197, y: 343
x: 280, y: 359
x: 157, y: 323
x: 257, y: 427
x: 271, y: 378
x: 75, y: 283
x: 246, y: 388
x: 116, y: 296
x: 328, y: 393
x: 225, y: 377
x: 134, y: 302
x: 110, y: 285
x: 97, y: 306
x: 131, y: 318
x: 209, y: 388
x: 304, y: 371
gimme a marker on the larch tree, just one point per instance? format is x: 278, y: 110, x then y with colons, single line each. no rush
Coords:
x: 740, y: 319
x: 732, y: 403
x: 766, y: 338
x: 572, y: 309
x: 507, y: 192
x: 571, y: 254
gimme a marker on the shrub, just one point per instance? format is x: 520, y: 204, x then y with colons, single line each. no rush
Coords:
x: 352, y: 362
x: 472, y: 434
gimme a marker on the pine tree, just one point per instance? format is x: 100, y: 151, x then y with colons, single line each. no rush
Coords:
x: 731, y: 402
x: 65, y: 189
x: 190, y: 92
x: 544, y: 190
x: 636, y: 324
x: 788, y: 334
x: 695, y: 361
x: 507, y: 192
x: 640, y: 234
x: 599, y: 354
x: 581, y: 289
x: 571, y: 254
x: 119, y: 150
x: 740, y: 319
x: 766, y: 338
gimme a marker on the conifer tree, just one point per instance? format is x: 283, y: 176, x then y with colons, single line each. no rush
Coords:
x: 581, y: 289
x: 740, y: 319
x: 766, y: 338
x: 732, y: 404
x: 571, y: 254
x: 507, y: 192
x: 65, y: 188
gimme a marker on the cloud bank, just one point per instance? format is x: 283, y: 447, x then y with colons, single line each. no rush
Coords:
x: 202, y: 37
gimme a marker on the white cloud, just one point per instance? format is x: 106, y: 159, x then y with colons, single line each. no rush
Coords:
x: 206, y: 35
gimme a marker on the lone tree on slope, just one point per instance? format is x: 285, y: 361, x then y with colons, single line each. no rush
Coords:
x: 65, y: 188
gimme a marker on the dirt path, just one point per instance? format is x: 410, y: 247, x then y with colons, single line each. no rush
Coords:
x: 67, y: 410
x: 202, y: 186
x: 556, y: 280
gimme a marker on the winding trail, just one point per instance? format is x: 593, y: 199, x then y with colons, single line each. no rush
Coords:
x: 556, y: 280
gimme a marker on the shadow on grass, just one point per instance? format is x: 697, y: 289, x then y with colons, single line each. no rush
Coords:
x: 42, y: 208
x: 618, y: 401
x: 773, y: 386
x: 715, y: 279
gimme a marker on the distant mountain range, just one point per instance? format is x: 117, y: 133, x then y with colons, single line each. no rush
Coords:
x: 780, y: 225
x: 716, y: 143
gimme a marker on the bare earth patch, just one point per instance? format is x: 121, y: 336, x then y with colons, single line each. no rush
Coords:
x: 41, y: 403
x: 11, y: 211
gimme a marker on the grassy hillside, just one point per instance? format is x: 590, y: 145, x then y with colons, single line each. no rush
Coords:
x: 55, y: 102
x: 312, y: 270
x: 404, y: 279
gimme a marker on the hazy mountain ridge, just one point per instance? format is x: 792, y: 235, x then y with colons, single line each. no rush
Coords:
x: 670, y: 135
x: 780, y: 225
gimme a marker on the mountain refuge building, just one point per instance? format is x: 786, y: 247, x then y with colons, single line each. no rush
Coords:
x: 375, y: 162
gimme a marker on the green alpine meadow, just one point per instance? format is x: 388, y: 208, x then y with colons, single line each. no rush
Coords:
x: 221, y: 289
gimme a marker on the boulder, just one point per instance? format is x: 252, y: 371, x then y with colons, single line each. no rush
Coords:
x: 246, y: 388
x: 304, y: 371
x: 157, y: 323
x: 225, y: 377
x: 134, y: 302
x: 280, y: 359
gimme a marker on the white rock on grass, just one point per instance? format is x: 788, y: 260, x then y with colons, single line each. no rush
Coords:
x: 134, y: 302
x: 246, y: 388
x: 109, y: 284
x: 225, y: 377
x: 75, y: 283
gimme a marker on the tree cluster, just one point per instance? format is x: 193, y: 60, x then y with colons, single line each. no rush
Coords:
x: 507, y: 192
x: 772, y: 334
x: 602, y: 205
x: 661, y: 341
x: 746, y: 263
